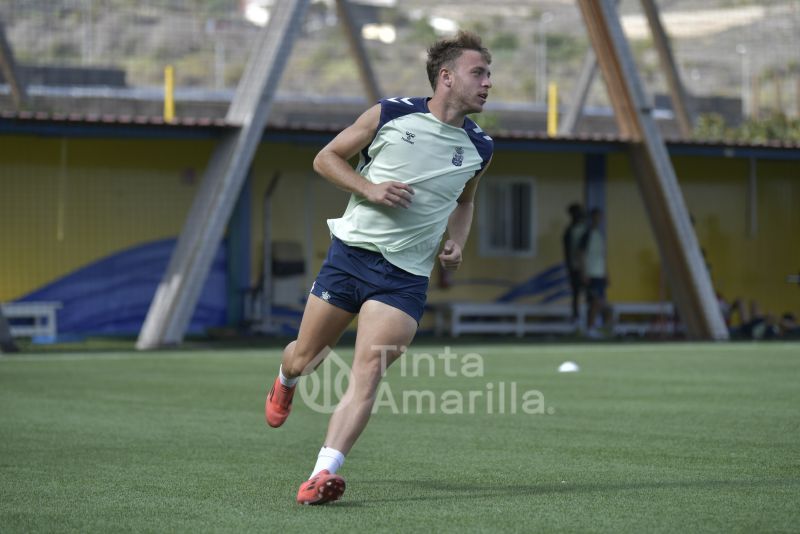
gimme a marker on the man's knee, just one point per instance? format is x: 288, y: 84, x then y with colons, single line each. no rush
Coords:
x: 288, y: 350
x: 302, y: 359
x: 367, y: 372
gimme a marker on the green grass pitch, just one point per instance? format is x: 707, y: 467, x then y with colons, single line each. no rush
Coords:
x: 645, y: 438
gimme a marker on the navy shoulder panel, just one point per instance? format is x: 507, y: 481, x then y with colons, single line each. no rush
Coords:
x: 480, y: 139
x: 392, y: 108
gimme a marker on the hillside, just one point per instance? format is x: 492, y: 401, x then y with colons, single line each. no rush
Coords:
x: 533, y: 42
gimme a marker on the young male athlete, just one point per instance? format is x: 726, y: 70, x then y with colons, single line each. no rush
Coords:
x: 420, y: 162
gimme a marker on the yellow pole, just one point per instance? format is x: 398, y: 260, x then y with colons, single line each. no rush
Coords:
x: 552, y: 109
x: 169, y: 93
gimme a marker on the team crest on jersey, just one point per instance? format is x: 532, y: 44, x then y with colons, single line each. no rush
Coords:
x: 458, y: 156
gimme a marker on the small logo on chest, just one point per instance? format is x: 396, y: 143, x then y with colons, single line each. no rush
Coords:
x: 458, y: 156
x: 409, y: 137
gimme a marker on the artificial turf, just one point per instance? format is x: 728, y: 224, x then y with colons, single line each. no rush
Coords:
x: 644, y: 438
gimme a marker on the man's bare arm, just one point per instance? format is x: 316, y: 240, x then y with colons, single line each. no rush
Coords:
x: 332, y: 163
x: 459, y: 224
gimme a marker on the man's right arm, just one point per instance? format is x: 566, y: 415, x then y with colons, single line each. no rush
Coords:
x: 332, y: 163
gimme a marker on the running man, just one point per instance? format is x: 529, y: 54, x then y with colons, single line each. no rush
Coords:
x: 420, y: 162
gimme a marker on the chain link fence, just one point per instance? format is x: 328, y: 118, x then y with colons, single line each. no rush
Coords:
x: 739, y: 58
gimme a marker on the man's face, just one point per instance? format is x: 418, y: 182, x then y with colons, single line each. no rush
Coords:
x: 471, y: 81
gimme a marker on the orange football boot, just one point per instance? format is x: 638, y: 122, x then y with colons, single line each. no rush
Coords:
x: 279, y: 403
x: 321, y: 488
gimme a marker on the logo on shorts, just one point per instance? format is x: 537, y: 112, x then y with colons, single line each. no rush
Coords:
x: 458, y: 156
x: 409, y: 137
x: 326, y: 296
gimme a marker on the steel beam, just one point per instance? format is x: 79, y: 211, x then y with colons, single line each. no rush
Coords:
x: 8, y: 66
x: 579, y: 94
x: 581, y: 91
x: 358, y: 50
x: 177, y: 294
x: 681, y: 257
x: 677, y: 91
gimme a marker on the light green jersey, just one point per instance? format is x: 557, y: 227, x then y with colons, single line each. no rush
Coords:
x: 414, y: 147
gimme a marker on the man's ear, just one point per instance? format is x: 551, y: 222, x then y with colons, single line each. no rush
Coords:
x: 446, y: 77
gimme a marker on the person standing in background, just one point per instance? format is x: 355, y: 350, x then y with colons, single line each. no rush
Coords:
x: 6, y: 341
x: 572, y: 254
x: 595, y: 271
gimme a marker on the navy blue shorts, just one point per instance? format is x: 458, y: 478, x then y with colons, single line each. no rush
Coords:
x: 596, y: 289
x: 351, y: 276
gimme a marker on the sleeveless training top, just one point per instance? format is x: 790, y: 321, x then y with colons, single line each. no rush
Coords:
x: 412, y: 146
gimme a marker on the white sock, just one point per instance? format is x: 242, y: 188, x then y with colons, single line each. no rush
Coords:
x: 288, y: 382
x: 329, y: 459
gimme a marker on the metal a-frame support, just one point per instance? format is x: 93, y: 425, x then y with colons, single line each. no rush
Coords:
x: 680, y: 252
x: 680, y: 100
x: 580, y: 92
x: 358, y: 50
x: 677, y: 91
x: 8, y: 66
x: 177, y: 294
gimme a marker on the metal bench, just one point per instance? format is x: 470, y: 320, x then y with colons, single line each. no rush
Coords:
x: 642, y: 318
x: 32, y: 319
x: 456, y: 318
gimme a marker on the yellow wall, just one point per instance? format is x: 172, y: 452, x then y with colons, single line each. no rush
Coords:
x: 751, y: 266
x: 749, y: 261
x: 65, y: 203
x: 633, y: 258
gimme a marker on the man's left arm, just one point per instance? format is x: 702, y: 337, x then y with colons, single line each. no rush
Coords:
x: 459, y: 223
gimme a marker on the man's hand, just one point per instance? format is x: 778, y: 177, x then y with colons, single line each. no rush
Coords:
x: 450, y: 258
x: 390, y: 194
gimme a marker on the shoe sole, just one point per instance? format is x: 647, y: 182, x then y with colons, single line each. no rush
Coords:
x: 330, y: 491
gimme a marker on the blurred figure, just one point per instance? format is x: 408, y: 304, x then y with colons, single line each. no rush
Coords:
x: 595, y: 272
x: 6, y: 341
x: 572, y: 253
x: 754, y: 324
x: 788, y: 326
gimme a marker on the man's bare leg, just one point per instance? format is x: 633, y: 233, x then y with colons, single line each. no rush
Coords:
x: 320, y: 329
x: 383, y: 332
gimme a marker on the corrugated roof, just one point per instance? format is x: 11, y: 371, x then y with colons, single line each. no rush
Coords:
x: 109, y: 119
x: 183, y: 123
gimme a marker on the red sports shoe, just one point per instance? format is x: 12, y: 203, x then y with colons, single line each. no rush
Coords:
x: 321, y: 488
x: 279, y: 403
